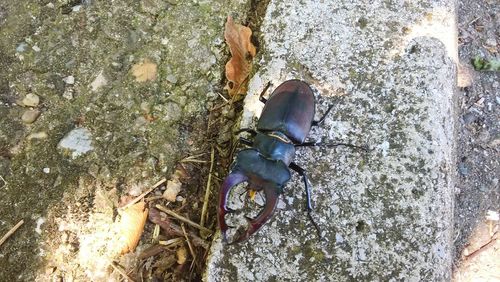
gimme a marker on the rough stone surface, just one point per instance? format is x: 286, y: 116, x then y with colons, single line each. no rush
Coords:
x: 77, y: 57
x: 386, y: 215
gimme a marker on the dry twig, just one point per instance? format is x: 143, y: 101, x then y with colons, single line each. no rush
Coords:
x: 121, y: 271
x: 182, y: 218
x: 490, y: 243
x: 173, y: 229
x: 10, y: 232
x: 189, y: 243
x: 207, y: 189
x: 138, y: 198
x: 171, y: 242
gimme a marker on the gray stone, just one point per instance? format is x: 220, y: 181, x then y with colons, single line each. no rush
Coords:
x: 469, y: 118
x: 21, y: 47
x: 463, y: 169
x: 171, y: 78
x: 392, y: 64
x: 29, y: 116
x: 77, y: 142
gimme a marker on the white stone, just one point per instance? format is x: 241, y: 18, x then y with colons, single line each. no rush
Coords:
x: 69, y: 79
x: 99, y: 82
x: 77, y: 142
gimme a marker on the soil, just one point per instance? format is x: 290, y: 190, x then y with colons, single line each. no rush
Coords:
x: 478, y: 190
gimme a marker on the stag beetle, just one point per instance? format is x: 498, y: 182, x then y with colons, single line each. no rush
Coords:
x: 284, y: 124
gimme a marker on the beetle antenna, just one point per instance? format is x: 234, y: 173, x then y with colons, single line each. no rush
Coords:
x: 314, y: 223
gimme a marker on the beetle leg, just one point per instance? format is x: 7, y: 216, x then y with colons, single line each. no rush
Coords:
x: 254, y: 225
x: 330, y: 145
x: 302, y: 173
x: 245, y: 141
x: 261, y: 96
x: 233, y: 179
x: 322, y: 119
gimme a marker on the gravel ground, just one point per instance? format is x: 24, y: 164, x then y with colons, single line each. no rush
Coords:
x: 478, y: 161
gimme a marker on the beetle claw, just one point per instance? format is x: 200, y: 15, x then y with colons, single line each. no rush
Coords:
x: 233, y: 179
x: 254, y: 224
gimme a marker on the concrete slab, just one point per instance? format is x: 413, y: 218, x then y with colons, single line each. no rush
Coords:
x: 389, y: 69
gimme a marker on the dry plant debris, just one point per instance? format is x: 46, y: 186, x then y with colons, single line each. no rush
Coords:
x: 242, y: 51
x: 131, y: 225
x: 11, y: 231
x: 181, y: 255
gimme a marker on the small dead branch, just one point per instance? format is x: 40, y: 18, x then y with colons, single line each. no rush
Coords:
x: 193, y: 159
x: 490, y: 243
x: 183, y: 219
x: 121, y: 271
x: 138, y: 198
x: 172, y: 242
x: 174, y: 229
x: 189, y: 243
x: 223, y: 98
x: 207, y: 189
x: 11, y: 231
x: 3, y: 183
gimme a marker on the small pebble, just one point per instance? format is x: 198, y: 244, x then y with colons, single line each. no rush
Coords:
x: 21, y: 47
x: 38, y: 135
x: 30, y: 116
x: 463, y: 169
x: 469, y: 118
x: 99, y: 82
x: 39, y: 222
x: 173, y: 188
x: 491, y: 41
x: 171, y: 78
x: 36, y: 48
x: 31, y: 100
x: 338, y: 238
x: 69, y: 79
x: 362, y: 254
x: 497, y: 99
x: 68, y: 94
x: 46, y: 170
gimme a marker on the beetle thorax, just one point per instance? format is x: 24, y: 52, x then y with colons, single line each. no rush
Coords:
x: 275, y: 146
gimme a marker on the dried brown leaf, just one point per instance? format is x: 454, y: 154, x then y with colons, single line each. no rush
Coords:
x: 242, y: 51
x: 144, y: 71
x: 131, y: 225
